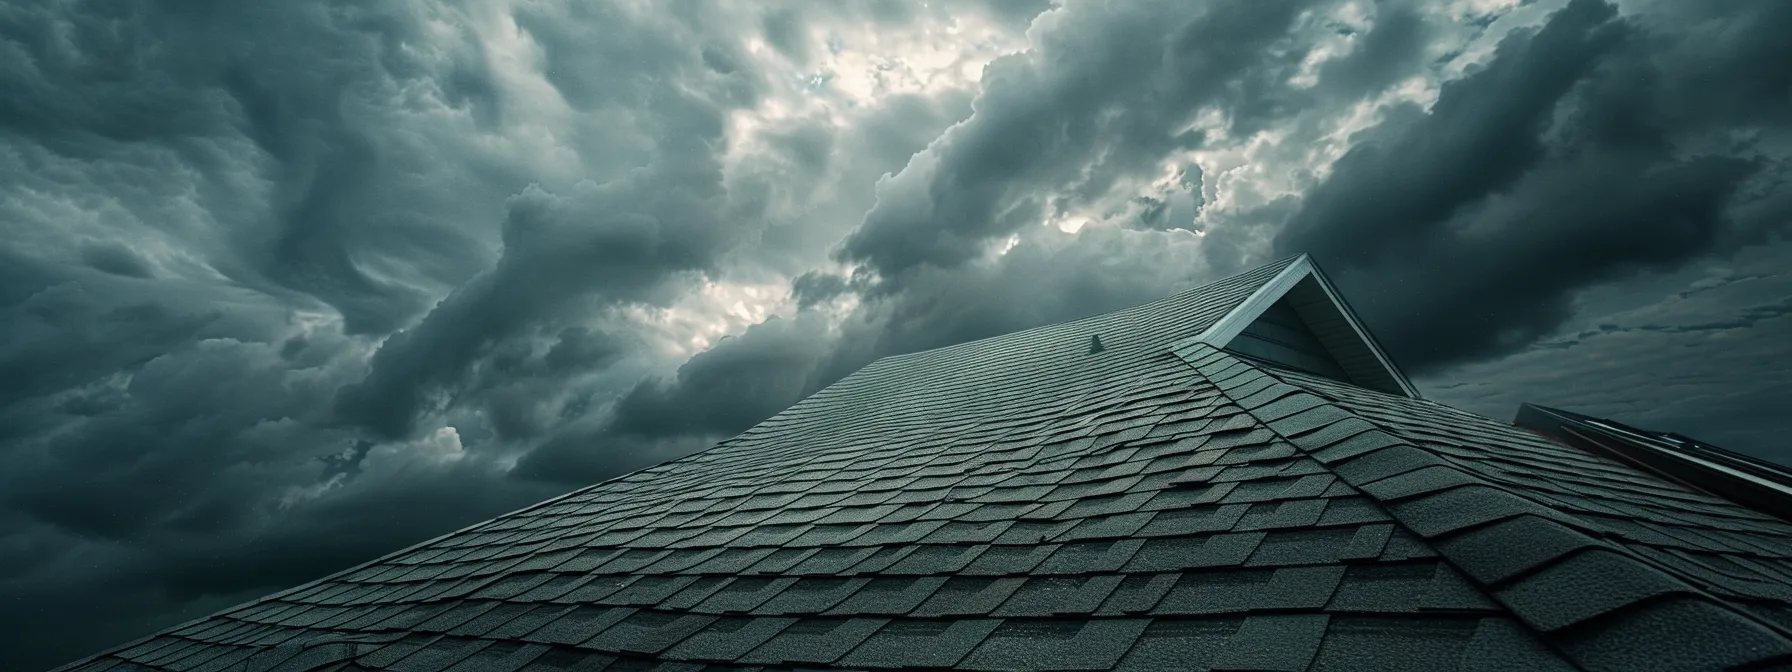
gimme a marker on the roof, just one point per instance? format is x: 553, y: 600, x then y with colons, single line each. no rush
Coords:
x: 1749, y: 481
x: 1032, y: 502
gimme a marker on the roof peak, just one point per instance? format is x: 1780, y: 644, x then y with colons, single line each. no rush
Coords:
x: 1298, y: 320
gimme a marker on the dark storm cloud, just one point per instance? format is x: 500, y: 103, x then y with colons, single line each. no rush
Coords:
x: 812, y: 177
x: 65, y: 328
x: 1384, y: 55
x: 169, y: 367
x: 732, y: 385
x: 1571, y: 158
x: 70, y: 604
x: 157, y: 384
x: 197, y: 474
x: 1018, y: 13
x: 1482, y: 134
x: 1105, y: 90
x: 620, y: 242
x: 602, y: 245
x: 816, y: 287
x: 116, y: 258
x: 1177, y: 209
x: 277, y: 295
x: 1700, y: 351
x: 717, y: 393
x: 1104, y: 94
x: 293, y: 80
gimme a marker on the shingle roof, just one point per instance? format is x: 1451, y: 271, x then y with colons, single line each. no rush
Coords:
x: 1025, y: 503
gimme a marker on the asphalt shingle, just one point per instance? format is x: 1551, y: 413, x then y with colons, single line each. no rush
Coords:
x: 1057, y: 644
x: 921, y: 643
x: 1503, y: 550
x: 814, y: 641
x: 1280, y: 643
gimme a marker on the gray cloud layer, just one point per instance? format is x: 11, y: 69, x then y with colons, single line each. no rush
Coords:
x: 1572, y: 155
x: 287, y: 286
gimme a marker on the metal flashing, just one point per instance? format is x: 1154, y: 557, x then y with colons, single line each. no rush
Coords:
x: 1764, y: 486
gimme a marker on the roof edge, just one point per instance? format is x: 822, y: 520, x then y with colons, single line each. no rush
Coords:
x: 1762, y: 486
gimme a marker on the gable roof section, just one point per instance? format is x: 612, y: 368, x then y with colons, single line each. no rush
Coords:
x: 1298, y: 320
x: 1614, y: 567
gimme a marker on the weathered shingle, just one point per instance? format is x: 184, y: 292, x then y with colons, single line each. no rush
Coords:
x: 1036, y: 644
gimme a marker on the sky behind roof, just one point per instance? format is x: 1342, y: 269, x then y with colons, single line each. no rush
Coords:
x: 287, y: 286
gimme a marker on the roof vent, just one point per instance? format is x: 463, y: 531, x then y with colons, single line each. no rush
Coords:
x: 1095, y: 344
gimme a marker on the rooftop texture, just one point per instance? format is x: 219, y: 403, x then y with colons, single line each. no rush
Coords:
x: 1024, y: 503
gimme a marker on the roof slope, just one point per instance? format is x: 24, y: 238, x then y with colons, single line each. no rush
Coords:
x: 1024, y: 503
x: 1617, y: 567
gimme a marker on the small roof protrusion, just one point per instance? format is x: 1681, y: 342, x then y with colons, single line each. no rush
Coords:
x: 1095, y: 344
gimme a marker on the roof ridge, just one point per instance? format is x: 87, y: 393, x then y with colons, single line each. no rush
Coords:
x: 1278, y: 265
x: 1519, y: 551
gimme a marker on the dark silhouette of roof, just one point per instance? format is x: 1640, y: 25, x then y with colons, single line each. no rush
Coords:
x: 1182, y: 497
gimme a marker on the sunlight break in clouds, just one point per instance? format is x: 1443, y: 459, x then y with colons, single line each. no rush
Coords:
x: 862, y: 65
x: 858, y: 68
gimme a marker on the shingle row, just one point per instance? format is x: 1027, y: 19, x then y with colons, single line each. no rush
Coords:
x: 653, y: 640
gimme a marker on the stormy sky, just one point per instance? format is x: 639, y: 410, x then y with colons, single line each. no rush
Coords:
x: 285, y: 286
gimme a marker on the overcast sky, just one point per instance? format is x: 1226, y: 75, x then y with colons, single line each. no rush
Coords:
x: 285, y: 286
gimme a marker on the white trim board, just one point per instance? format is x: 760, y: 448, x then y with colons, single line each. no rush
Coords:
x: 1325, y: 313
